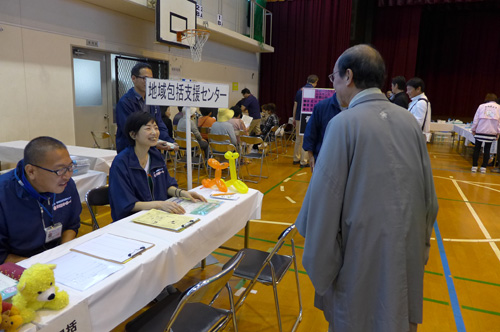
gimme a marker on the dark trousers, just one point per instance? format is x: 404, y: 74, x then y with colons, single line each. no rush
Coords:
x: 477, y: 151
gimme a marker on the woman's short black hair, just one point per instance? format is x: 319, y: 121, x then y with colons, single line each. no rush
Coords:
x: 134, y: 123
x: 237, y: 111
x: 270, y: 107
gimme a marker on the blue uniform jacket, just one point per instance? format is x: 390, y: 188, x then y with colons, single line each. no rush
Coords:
x: 21, y: 229
x: 128, y: 182
x: 322, y: 113
x: 298, y: 99
x: 133, y: 102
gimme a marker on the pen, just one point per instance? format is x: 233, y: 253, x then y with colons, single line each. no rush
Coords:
x: 222, y: 194
x: 189, y: 223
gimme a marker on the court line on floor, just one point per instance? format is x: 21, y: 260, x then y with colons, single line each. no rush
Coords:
x: 466, y: 181
x: 478, y: 220
x: 459, y: 322
x: 282, y: 181
x: 270, y: 222
x: 461, y: 201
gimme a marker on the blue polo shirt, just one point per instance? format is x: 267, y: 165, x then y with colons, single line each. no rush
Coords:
x: 252, y: 105
x: 132, y: 102
x: 21, y: 229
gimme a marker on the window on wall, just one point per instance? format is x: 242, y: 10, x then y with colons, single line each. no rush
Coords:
x: 87, y: 82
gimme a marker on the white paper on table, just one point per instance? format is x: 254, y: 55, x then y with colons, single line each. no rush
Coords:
x: 112, y: 247
x: 80, y: 271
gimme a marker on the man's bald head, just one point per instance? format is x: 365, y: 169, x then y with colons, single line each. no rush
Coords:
x: 366, y: 64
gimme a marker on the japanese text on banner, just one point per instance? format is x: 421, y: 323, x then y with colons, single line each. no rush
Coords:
x: 180, y: 93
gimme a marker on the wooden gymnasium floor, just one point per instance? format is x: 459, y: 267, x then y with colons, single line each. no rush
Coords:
x: 462, y: 279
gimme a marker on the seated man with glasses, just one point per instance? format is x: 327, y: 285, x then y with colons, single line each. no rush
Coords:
x: 39, y: 203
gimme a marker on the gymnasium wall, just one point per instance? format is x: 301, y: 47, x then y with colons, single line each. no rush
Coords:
x: 36, y: 97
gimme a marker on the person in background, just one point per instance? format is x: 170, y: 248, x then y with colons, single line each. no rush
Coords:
x: 299, y: 155
x: 486, y: 129
x: 223, y: 127
x: 134, y: 101
x: 250, y: 104
x: 420, y: 106
x: 206, y: 120
x: 238, y: 124
x: 139, y: 178
x: 181, y: 126
x: 165, y: 116
x: 178, y: 116
x: 271, y: 121
x: 39, y: 203
x: 322, y: 113
x: 398, y: 88
x: 370, y: 207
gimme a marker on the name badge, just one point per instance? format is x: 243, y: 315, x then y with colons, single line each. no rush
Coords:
x: 53, y: 232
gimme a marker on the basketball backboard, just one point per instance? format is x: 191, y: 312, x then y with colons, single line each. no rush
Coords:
x: 173, y: 16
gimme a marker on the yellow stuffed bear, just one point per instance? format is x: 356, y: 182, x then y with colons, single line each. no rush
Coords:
x: 37, y: 290
x: 10, y: 322
x: 11, y: 319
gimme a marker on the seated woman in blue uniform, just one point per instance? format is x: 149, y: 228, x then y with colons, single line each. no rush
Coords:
x: 138, y: 178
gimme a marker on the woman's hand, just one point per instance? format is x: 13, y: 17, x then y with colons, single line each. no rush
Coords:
x: 194, y: 196
x: 171, y: 207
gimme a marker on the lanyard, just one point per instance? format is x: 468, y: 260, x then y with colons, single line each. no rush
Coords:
x: 43, y: 208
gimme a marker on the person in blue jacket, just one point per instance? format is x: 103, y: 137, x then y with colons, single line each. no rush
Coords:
x: 138, y: 178
x: 322, y: 113
x: 39, y: 203
x: 134, y: 101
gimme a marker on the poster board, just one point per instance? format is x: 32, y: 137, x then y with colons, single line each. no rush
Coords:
x: 310, y: 97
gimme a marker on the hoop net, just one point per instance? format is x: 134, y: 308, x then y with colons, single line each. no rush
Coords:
x: 195, y: 38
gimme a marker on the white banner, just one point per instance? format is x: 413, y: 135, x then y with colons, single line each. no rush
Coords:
x: 73, y: 319
x: 183, y: 93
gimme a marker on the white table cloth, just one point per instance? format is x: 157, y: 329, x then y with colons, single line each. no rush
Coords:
x: 438, y: 126
x: 100, y: 159
x: 463, y: 130
x: 122, y: 294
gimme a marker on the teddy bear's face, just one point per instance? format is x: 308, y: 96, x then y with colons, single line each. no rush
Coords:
x: 39, y: 285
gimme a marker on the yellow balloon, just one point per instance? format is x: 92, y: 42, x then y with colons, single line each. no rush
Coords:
x: 239, y: 185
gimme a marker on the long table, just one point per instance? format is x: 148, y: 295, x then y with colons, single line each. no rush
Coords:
x: 463, y: 130
x: 116, y: 298
x: 100, y: 159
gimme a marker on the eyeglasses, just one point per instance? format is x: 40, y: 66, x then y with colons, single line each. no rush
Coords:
x: 331, y: 76
x: 60, y: 171
x: 143, y: 77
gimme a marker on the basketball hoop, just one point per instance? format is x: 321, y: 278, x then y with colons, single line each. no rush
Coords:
x: 195, y: 38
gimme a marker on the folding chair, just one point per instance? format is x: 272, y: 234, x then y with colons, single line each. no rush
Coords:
x: 290, y: 132
x: 204, y: 131
x: 96, y: 197
x: 197, y: 158
x: 187, y: 313
x: 102, y: 135
x: 271, y: 137
x: 268, y: 268
x: 252, y: 140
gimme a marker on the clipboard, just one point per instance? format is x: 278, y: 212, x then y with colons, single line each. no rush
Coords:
x: 113, y: 248
x: 169, y: 221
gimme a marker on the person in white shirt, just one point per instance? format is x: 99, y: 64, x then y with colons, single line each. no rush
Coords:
x: 419, y: 106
